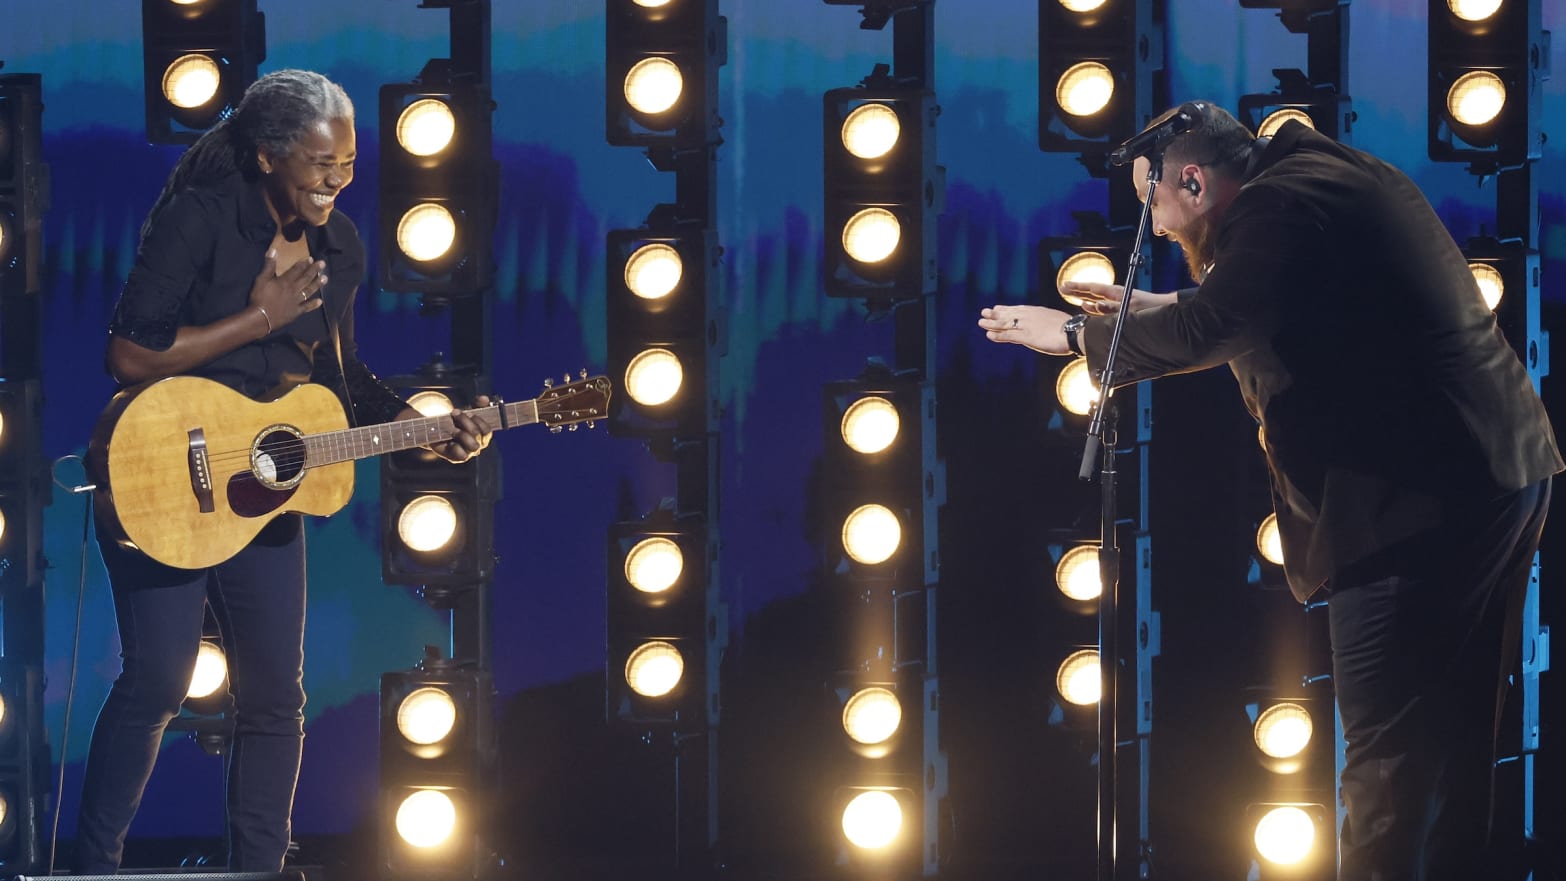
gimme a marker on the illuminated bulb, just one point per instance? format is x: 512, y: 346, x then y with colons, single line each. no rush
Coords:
x: 1284, y: 835
x: 426, y: 818
x: 430, y: 403
x: 1283, y: 731
x: 653, y: 85
x: 1277, y: 118
x: 1082, y: 5
x: 870, y: 425
x: 191, y: 81
x: 1083, y: 267
x: 871, y: 131
x: 427, y: 523
x: 2, y: 524
x: 426, y: 716
x: 2, y: 722
x: 426, y: 127
x: 872, y: 820
x: 1085, y: 89
x: 1077, y: 680
x: 871, y: 534
x: 1473, y: 10
x: 654, y: 669
x: 653, y: 271
x: 1491, y: 285
x: 1269, y: 541
x: 654, y: 377
x: 426, y: 232
x: 871, y: 235
x: 1476, y: 98
x: 1075, y: 388
x: 210, y: 673
x: 872, y: 715
x: 1077, y: 573
x: 654, y: 565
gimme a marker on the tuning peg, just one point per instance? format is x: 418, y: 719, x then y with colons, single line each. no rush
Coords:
x: 555, y: 429
x: 573, y: 426
x: 566, y: 379
x: 549, y: 382
x: 592, y: 423
x: 584, y: 372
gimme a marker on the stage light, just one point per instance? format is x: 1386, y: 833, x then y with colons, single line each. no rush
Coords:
x: 1077, y: 573
x: 427, y: 523
x: 653, y: 271
x: 426, y: 716
x: 197, y: 61
x: 881, y: 190
x: 872, y: 715
x: 1473, y: 10
x: 1275, y: 120
x: 426, y: 127
x: 1507, y: 278
x: 437, y: 760
x: 437, y: 517
x: 870, y: 425
x: 657, y: 619
x: 24, y: 199
x: 1077, y: 678
x: 1269, y: 541
x: 1285, y: 835
x: 871, y: 235
x: 1076, y: 388
x: 872, y: 820
x: 653, y: 377
x: 191, y: 81
x: 426, y: 818
x: 1491, y: 285
x: 1083, y: 267
x: 211, y: 671
x: 1283, y: 730
x: 1094, y: 254
x: 871, y: 534
x: 1090, y: 74
x: 654, y: 565
x: 661, y: 77
x: 1476, y: 98
x: 1486, y: 64
x: 438, y: 185
x: 659, y: 346
x: 654, y: 669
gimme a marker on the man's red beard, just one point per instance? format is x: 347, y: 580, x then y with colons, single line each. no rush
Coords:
x: 1196, y: 243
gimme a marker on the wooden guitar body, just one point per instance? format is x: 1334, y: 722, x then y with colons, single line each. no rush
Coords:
x: 145, y: 461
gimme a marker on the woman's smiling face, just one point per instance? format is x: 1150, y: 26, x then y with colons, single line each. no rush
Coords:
x: 302, y: 186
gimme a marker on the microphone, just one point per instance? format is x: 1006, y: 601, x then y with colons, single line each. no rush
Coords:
x: 1159, y: 136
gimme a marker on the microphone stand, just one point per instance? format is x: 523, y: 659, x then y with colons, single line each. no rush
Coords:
x: 1101, y: 439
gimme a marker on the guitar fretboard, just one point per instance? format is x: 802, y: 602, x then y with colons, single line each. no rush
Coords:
x: 331, y: 447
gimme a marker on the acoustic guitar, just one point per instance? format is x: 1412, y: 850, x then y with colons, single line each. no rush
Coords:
x: 189, y: 470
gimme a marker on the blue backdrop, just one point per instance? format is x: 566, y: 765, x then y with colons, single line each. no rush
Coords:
x: 563, y: 188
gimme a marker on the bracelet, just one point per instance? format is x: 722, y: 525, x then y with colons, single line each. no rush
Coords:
x: 268, y: 318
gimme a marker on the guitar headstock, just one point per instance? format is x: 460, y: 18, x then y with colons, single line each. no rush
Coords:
x: 586, y: 400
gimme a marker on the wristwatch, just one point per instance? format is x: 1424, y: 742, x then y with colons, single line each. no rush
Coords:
x: 1072, y: 327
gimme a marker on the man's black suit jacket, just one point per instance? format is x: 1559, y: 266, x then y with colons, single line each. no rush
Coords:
x: 1385, y: 389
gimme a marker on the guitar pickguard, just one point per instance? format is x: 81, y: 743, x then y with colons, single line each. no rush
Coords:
x: 248, y: 497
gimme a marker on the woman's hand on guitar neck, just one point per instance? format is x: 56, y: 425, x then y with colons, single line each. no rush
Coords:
x: 471, y: 437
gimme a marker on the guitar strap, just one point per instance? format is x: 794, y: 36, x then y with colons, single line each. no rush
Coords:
x: 342, y: 369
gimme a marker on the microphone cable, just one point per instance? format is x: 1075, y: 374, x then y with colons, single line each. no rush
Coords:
x: 76, y: 642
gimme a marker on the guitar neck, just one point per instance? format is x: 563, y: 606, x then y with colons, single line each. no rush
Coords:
x: 331, y: 447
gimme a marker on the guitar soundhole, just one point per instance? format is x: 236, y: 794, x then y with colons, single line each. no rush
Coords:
x: 278, y: 459
x: 277, y: 464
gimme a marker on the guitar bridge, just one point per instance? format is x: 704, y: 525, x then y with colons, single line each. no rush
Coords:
x: 200, y: 471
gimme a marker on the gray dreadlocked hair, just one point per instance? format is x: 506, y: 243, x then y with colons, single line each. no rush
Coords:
x: 273, y: 115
